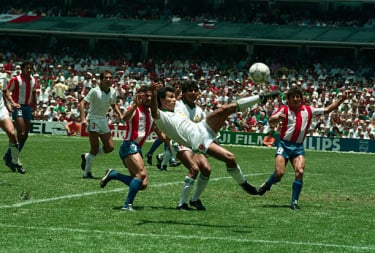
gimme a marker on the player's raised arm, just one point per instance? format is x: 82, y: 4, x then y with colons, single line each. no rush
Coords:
x: 154, y: 100
x: 346, y: 94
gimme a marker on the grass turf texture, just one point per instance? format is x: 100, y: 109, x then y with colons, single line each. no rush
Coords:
x: 69, y: 214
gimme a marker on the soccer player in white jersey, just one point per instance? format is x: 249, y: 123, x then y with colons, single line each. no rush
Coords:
x: 100, y: 99
x: 21, y: 94
x: 7, y: 125
x: 295, y: 119
x: 194, y: 162
x: 202, y: 136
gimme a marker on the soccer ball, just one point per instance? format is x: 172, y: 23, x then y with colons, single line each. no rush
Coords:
x: 259, y: 72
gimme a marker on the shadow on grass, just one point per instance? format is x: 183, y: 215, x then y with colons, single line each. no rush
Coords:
x: 235, y: 228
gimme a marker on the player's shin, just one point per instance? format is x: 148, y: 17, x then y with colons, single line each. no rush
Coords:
x: 237, y: 174
x: 186, y: 190
x: 244, y: 103
x: 14, y: 153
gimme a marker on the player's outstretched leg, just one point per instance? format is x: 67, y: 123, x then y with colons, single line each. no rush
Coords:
x: 246, y: 102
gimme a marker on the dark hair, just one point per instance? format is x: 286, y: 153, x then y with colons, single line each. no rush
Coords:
x: 188, y: 86
x: 143, y: 88
x: 293, y: 91
x: 162, y: 92
x: 103, y: 73
x: 25, y: 63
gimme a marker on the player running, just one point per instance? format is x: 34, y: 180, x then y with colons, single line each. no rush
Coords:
x: 295, y: 119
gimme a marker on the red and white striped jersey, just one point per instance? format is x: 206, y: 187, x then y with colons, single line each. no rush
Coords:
x: 22, y: 89
x: 139, y: 126
x: 296, y: 124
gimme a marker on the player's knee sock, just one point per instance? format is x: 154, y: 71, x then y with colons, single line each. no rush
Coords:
x: 202, y: 182
x: 14, y: 153
x: 133, y: 189
x: 89, y: 158
x: 100, y: 151
x: 272, y: 180
x: 237, y: 175
x: 121, y: 177
x: 186, y: 190
x: 20, y: 146
x: 155, y: 146
x: 8, y: 156
x: 296, y: 189
x: 166, y: 157
x: 246, y: 102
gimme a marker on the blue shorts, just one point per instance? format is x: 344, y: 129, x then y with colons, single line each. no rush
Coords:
x: 128, y: 148
x: 289, y: 149
x: 25, y: 112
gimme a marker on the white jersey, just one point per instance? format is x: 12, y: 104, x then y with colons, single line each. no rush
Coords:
x: 4, y: 113
x: 100, y: 102
x: 2, y: 102
x: 195, y: 113
x: 178, y: 127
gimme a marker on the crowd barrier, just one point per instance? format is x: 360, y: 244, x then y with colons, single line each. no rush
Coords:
x: 226, y: 137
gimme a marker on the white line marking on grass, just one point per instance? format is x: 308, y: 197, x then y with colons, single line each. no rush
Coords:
x: 189, y: 237
x: 79, y: 195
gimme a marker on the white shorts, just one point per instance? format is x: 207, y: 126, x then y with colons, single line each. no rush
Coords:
x: 176, y: 147
x: 202, y: 137
x: 4, y: 113
x: 99, y: 126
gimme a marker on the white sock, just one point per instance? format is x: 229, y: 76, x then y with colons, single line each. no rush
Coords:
x: 14, y: 153
x: 202, y: 182
x: 244, y: 103
x: 186, y: 190
x: 100, y: 151
x: 89, y: 158
x: 237, y: 175
x: 166, y: 157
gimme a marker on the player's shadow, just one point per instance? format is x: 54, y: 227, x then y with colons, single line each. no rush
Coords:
x: 235, y: 228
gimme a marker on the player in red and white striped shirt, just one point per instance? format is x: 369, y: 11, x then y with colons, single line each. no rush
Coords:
x: 139, y: 125
x: 295, y: 119
x: 21, y: 94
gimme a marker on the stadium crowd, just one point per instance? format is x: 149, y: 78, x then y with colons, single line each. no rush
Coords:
x: 63, y: 82
x: 66, y: 75
x: 233, y: 12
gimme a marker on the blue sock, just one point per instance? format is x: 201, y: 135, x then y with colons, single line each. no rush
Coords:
x: 272, y: 180
x: 121, y: 177
x: 8, y: 154
x: 296, y: 190
x: 133, y: 190
x: 155, y: 146
x: 20, y: 146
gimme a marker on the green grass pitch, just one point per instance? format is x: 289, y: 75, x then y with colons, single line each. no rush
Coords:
x: 66, y: 213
